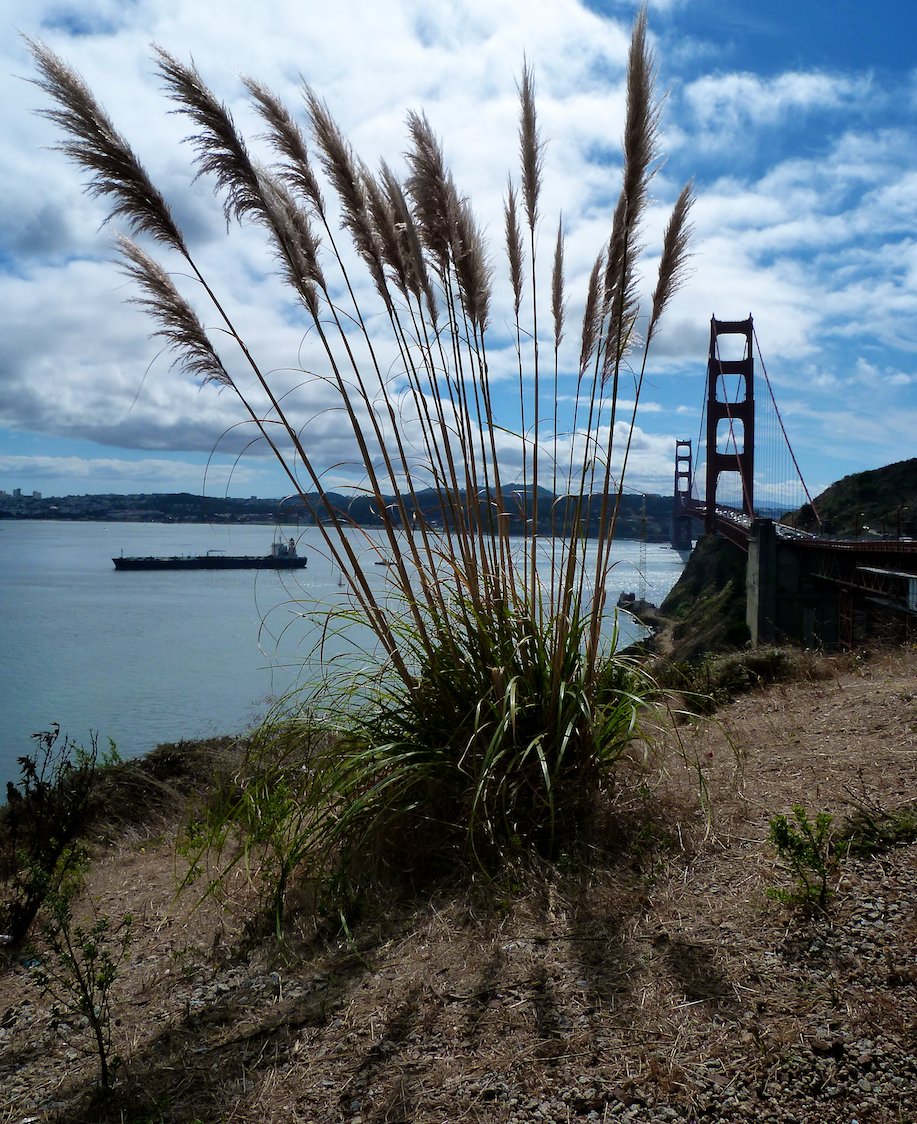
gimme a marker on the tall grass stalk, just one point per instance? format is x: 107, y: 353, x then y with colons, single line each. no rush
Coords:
x: 491, y: 704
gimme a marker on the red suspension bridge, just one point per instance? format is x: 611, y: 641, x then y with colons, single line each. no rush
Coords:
x: 810, y: 587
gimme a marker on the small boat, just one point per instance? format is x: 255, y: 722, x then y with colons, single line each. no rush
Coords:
x: 283, y: 556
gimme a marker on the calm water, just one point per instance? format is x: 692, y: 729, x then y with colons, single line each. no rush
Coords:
x: 145, y: 658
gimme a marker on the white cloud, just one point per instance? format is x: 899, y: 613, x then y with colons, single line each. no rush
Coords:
x: 725, y: 103
x: 57, y: 475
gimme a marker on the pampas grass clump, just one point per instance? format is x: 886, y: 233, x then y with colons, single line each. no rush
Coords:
x: 497, y: 704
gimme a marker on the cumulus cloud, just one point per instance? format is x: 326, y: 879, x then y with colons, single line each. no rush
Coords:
x: 723, y: 104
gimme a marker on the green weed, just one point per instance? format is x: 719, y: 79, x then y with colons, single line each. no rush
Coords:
x: 78, y: 968
x: 808, y: 850
x: 40, y: 826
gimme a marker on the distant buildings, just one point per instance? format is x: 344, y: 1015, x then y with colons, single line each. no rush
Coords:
x: 179, y: 507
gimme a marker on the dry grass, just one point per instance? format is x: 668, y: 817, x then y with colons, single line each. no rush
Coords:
x: 655, y: 977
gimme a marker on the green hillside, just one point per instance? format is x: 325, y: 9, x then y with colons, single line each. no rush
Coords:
x: 882, y: 501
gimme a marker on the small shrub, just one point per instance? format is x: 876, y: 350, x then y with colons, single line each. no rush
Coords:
x: 44, y: 817
x: 716, y: 680
x: 870, y: 830
x: 79, y: 968
x: 807, y: 848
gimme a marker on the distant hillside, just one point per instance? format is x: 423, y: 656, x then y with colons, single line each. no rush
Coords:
x: 882, y: 501
x: 647, y: 517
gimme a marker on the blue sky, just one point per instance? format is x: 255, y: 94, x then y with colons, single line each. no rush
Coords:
x: 797, y: 121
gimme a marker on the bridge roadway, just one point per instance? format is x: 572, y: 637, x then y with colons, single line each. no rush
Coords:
x: 736, y: 526
x: 815, y: 589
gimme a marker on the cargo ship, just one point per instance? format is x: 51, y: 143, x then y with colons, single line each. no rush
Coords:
x: 283, y: 556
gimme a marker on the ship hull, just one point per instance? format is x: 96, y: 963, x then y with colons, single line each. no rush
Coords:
x: 211, y: 562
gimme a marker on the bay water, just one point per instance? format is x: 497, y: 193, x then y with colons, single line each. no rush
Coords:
x: 144, y: 658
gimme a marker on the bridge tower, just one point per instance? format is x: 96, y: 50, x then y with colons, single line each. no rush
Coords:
x: 681, y: 521
x: 741, y: 410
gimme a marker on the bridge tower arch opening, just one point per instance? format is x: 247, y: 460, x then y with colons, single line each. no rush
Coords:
x: 730, y: 409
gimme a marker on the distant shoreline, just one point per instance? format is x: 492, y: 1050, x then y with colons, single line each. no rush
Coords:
x: 646, y: 517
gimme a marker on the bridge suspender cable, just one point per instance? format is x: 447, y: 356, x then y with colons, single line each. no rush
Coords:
x: 786, y: 438
x: 695, y: 487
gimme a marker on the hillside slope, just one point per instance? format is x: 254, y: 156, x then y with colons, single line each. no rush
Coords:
x: 705, y: 609
x: 656, y: 983
x: 880, y: 501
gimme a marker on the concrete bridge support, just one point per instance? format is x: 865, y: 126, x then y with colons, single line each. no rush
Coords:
x: 761, y: 583
x: 785, y: 599
x: 822, y: 594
